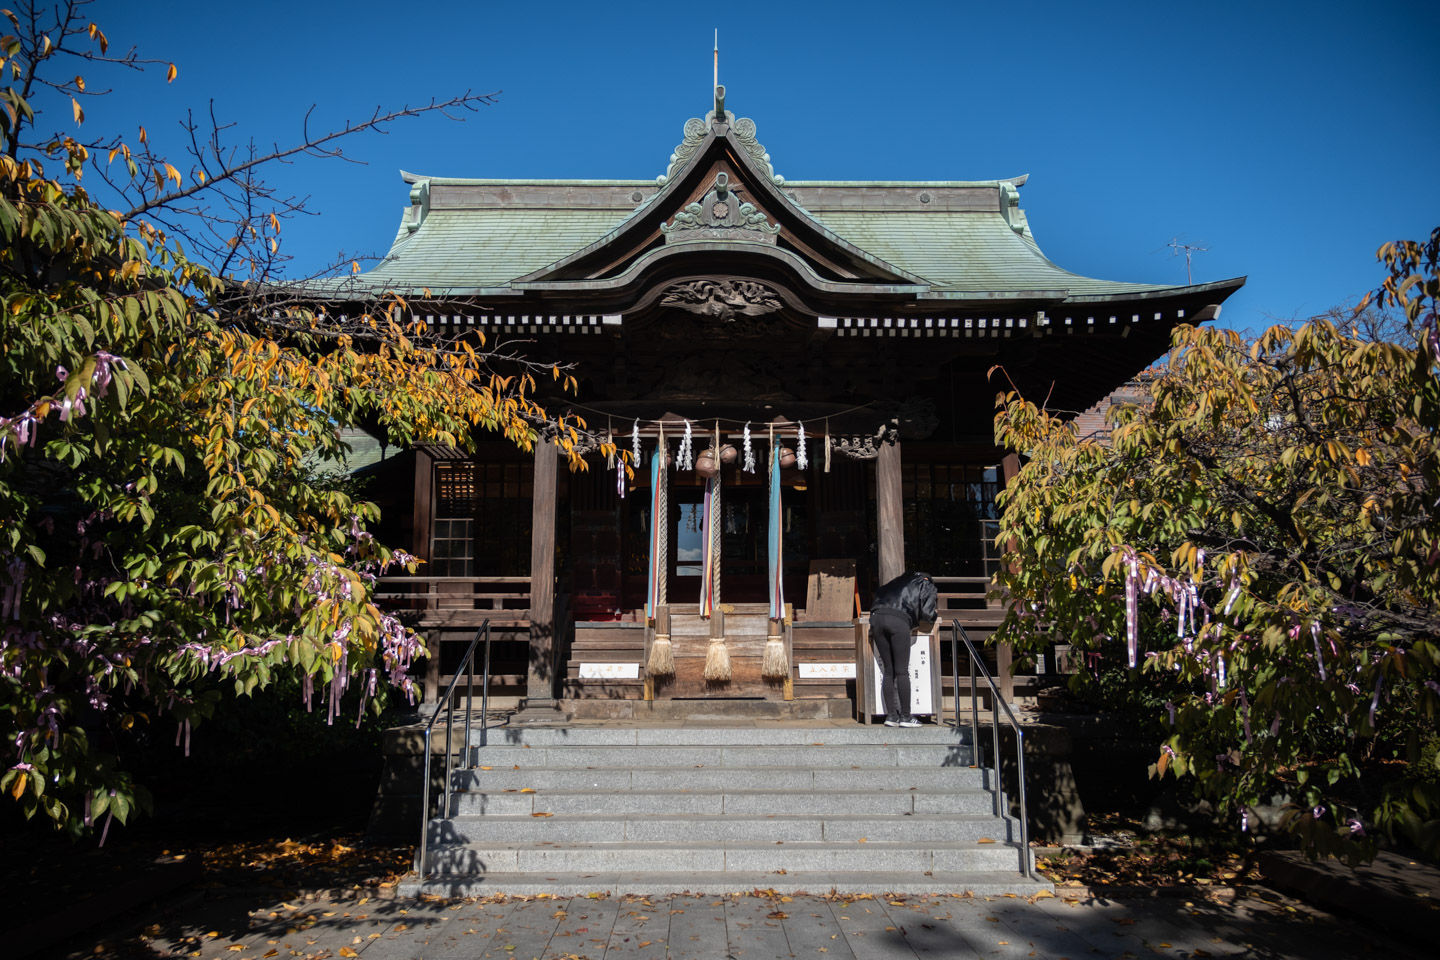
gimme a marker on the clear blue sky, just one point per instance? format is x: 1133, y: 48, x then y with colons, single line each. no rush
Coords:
x: 1291, y: 139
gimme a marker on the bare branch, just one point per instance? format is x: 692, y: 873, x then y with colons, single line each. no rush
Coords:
x: 311, y: 146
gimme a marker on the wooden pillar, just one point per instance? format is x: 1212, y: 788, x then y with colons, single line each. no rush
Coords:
x: 540, y: 678
x: 424, y: 500
x: 889, y: 512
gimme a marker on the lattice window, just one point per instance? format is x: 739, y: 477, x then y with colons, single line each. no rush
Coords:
x: 950, y: 518
x: 482, y: 519
x: 452, y: 541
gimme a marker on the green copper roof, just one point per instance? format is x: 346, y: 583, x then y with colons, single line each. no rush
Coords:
x: 487, y: 245
x: 487, y: 248
x: 966, y: 239
x: 964, y: 252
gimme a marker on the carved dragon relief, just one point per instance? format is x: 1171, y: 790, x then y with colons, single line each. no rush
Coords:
x: 722, y: 299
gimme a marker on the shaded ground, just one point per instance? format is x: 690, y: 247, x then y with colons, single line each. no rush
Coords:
x: 1124, y: 855
x: 224, y: 820
x: 751, y: 927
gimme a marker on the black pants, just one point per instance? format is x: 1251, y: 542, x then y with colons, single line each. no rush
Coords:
x: 890, y: 636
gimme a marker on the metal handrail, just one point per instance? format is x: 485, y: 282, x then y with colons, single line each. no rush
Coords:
x: 957, y: 634
x: 447, y: 703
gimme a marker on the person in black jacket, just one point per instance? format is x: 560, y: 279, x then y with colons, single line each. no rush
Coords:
x: 899, y: 606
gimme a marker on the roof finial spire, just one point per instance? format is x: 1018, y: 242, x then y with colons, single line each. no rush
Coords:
x: 717, y: 58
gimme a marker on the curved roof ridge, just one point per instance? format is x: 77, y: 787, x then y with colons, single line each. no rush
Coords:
x: 1013, y: 181
x: 409, y: 177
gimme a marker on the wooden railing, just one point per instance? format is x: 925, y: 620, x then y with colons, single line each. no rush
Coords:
x: 964, y: 599
x: 509, y: 596
x: 459, y: 603
x: 963, y: 593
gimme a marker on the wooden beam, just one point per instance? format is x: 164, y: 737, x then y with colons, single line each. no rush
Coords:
x: 889, y: 512
x: 540, y: 684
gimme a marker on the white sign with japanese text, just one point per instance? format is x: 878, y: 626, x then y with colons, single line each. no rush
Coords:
x: 922, y: 701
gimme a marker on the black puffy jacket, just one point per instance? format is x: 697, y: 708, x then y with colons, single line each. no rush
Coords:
x: 912, y: 595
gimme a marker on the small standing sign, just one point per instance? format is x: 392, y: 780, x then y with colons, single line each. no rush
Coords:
x: 924, y: 675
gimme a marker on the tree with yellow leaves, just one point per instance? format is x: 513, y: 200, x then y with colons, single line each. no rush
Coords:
x: 162, y: 526
x: 1260, y: 544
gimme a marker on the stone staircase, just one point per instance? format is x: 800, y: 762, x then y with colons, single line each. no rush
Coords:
x: 645, y: 809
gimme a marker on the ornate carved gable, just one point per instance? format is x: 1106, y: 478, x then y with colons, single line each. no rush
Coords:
x: 719, y: 191
x: 721, y: 215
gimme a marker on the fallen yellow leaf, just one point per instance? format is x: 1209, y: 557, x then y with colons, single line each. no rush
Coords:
x: 984, y: 840
x: 542, y: 814
x: 528, y: 790
x: 347, y: 952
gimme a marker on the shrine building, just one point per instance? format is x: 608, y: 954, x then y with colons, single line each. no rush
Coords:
x: 717, y: 300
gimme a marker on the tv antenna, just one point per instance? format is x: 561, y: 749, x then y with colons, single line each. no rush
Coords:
x: 1189, y: 250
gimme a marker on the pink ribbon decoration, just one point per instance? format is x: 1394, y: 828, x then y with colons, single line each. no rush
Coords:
x: 1132, y: 628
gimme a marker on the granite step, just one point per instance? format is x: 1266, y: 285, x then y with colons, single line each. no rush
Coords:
x: 895, y: 803
x: 461, y: 859
x: 726, y: 755
x: 661, y: 734
x: 728, y: 828
x: 855, y: 777
x: 715, y: 883
x: 651, y: 808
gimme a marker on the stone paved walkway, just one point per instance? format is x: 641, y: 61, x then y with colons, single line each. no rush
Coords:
x: 1260, y: 925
